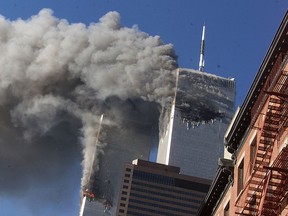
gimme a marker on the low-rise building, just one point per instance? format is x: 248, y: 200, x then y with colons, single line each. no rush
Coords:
x: 258, y: 141
x: 156, y: 189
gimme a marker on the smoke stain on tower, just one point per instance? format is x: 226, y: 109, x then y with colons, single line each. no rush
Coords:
x: 200, y: 99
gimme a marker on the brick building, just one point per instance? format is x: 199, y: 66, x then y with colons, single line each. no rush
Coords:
x: 255, y: 181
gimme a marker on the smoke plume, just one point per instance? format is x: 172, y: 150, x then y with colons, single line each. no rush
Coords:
x: 56, y: 79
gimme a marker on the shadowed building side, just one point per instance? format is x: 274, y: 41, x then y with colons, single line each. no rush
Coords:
x: 131, y: 138
x: 156, y: 189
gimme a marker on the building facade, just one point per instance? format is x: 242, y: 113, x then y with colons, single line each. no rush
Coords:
x: 155, y: 189
x: 130, y: 140
x: 192, y: 137
x: 258, y: 139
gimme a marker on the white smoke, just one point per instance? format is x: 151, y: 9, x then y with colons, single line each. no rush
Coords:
x: 52, y: 71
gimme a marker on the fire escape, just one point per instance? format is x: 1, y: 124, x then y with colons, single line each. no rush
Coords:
x: 267, y: 185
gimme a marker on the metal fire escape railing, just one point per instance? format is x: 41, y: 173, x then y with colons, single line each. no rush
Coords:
x: 256, y: 186
x: 263, y: 189
x: 271, y: 81
x: 277, y: 184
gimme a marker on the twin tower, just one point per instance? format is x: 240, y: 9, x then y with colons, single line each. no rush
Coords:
x: 202, y: 109
x: 190, y: 135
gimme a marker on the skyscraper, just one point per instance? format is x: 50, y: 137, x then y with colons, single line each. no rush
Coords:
x: 192, y: 137
x: 131, y: 140
x: 155, y: 189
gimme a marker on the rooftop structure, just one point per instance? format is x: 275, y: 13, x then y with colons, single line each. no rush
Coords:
x: 202, y: 61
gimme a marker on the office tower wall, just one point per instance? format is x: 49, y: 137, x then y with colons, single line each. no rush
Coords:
x: 201, y: 112
x: 130, y: 138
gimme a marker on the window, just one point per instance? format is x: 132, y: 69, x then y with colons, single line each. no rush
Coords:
x: 227, y: 209
x: 252, y: 153
x: 122, y: 204
x: 240, y: 176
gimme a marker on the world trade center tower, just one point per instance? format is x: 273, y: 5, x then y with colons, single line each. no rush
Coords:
x: 192, y: 137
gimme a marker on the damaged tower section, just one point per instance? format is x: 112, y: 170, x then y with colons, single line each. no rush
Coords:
x: 131, y: 136
x: 192, y: 138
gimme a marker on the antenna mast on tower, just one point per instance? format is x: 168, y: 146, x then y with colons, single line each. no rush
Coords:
x: 202, y: 61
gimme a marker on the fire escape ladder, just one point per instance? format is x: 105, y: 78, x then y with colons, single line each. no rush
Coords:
x: 278, y: 188
x: 277, y: 184
x: 264, y: 194
x: 266, y: 187
x: 258, y: 183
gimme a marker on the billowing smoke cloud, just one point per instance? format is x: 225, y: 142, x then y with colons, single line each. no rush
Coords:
x: 56, y: 79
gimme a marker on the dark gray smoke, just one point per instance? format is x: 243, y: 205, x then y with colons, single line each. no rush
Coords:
x: 55, y: 81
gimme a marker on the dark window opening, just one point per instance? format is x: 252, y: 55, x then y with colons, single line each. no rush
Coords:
x: 252, y: 153
x: 240, y: 176
x: 227, y: 209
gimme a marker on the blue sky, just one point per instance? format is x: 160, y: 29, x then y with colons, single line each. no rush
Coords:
x: 238, y: 34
